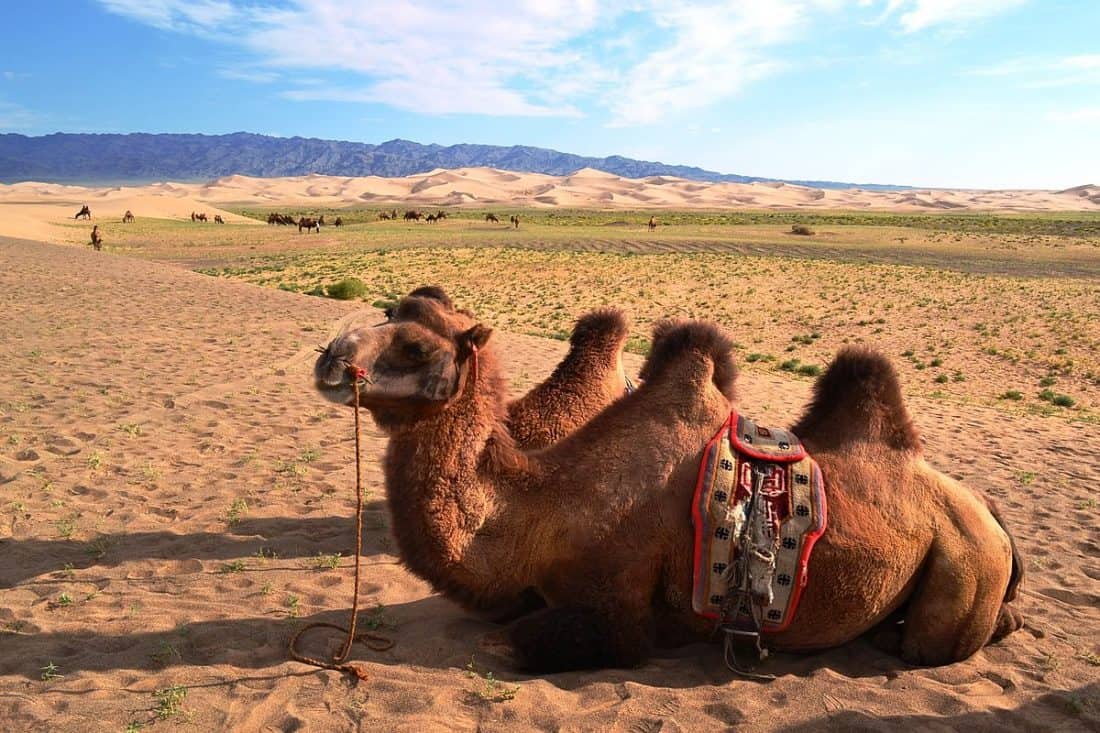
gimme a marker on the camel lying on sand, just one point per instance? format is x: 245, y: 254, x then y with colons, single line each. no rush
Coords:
x: 597, y: 525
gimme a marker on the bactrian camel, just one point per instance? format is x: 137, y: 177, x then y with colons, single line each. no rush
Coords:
x: 597, y: 526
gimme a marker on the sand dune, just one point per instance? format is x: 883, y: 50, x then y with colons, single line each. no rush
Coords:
x: 169, y: 481
x: 24, y: 211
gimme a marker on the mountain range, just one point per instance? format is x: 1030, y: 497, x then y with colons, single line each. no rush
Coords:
x: 142, y: 158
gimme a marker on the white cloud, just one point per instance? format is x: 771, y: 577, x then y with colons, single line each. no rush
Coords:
x: 178, y: 15
x: 256, y: 77
x: 918, y: 15
x: 640, y: 61
x: 1034, y: 72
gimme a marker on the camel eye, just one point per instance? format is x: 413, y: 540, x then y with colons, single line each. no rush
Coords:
x: 415, y: 351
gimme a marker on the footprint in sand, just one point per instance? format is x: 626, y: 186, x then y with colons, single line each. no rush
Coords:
x: 1073, y: 598
x: 62, y: 445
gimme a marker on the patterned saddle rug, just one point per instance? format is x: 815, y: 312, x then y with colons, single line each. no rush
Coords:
x: 759, y: 507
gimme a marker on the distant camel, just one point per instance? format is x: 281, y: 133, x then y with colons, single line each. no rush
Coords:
x: 218, y: 219
x: 84, y: 213
x: 198, y: 217
x: 431, y: 218
x: 384, y: 216
x: 97, y: 238
x: 307, y: 224
x: 128, y: 217
x: 413, y: 216
x: 515, y: 220
x: 274, y: 218
x: 393, y: 214
x: 652, y: 223
x: 321, y: 220
x: 193, y: 217
x: 338, y: 222
x: 441, y: 215
x: 493, y: 218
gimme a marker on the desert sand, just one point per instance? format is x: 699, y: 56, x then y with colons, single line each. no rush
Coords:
x: 25, y: 208
x: 174, y: 496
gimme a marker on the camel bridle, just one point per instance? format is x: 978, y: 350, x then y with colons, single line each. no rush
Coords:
x: 375, y: 642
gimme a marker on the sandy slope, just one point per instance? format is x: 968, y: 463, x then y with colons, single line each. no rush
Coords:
x: 141, y: 401
x: 33, y: 210
x: 25, y: 206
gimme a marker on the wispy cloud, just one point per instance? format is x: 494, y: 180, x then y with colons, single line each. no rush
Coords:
x: 1081, y: 69
x: 179, y: 15
x: 254, y: 76
x: 635, y: 61
x: 919, y: 15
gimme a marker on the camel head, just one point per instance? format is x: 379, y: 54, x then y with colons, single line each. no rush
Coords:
x: 419, y: 359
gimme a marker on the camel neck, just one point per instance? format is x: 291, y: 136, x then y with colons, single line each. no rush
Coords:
x: 444, y: 483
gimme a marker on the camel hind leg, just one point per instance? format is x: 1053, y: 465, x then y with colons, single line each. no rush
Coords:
x: 957, y: 606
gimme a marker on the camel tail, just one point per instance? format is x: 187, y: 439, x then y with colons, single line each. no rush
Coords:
x: 671, y: 338
x: 1017, y: 575
x: 600, y: 325
x: 858, y: 398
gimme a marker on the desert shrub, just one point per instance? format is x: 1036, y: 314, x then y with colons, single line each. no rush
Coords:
x: 801, y: 229
x: 349, y: 288
x: 1012, y: 394
x: 809, y: 370
x: 318, y: 290
x: 1061, y: 400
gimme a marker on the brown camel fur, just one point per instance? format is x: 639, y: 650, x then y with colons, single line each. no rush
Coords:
x: 96, y: 239
x: 598, y: 525
x: 128, y: 217
x: 589, y: 378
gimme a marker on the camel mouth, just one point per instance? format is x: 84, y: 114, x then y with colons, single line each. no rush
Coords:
x: 333, y: 376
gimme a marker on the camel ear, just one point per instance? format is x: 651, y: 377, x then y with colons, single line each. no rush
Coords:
x: 474, y: 338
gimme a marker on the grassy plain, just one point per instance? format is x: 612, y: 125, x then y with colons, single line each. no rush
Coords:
x: 998, y: 309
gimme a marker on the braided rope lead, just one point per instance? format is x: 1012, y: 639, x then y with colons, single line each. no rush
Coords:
x: 375, y: 642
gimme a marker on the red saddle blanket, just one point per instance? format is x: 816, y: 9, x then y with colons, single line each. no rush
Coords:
x: 791, y: 514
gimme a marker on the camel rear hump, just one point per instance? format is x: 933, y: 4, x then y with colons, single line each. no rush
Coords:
x: 672, y: 338
x: 858, y: 398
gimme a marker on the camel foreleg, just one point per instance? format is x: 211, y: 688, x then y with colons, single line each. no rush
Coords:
x: 574, y: 637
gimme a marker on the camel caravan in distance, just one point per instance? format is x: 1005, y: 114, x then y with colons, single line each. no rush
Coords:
x: 484, y: 496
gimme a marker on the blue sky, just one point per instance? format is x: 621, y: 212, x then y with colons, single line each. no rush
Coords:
x: 965, y: 93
